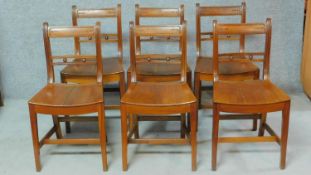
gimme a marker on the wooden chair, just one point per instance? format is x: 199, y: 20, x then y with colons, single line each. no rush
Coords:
x: 228, y: 70
x: 158, y: 71
x: 113, y: 67
x: 158, y: 98
x: 250, y: 96
x: 69, y: 99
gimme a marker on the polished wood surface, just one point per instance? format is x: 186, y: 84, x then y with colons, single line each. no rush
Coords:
x: 249, y: 96
x: 113, y: 71
x: 69, y: 99
x: 158, y: 98
x: 306, y: 55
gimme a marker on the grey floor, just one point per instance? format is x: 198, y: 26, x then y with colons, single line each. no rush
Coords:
x: 16, y: 153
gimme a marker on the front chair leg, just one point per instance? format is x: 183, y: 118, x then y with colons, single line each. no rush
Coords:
x: 193, y: 135
x: 35, y: 137
x: 284, y: 134
x: 102, y: 135
x: 215, y: 136
x: 124, y: 130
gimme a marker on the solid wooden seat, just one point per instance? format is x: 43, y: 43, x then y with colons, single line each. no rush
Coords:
x: 68, y: 95
x: 113, y: 71
x: 161, y: 94
x: 204, y: 65
x: 110, y: 66
x: 248, y: 93
x: 250, y: 96
x: 156, y: 99
x: 69, y: 99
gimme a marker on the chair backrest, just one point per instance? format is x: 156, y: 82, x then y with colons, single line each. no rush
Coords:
x: 158, y: 31
x: 264, y: 29
x: 147, y: 12
x: 99, y: 13
x: 73, y: 59
x: 213, y: 11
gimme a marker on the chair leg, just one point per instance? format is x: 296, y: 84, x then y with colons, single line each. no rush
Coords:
x: 215, y: 136
x: 124, y: 131
x: 182, y: 126
x: 57, y: 127
x: 284, y: 136
x: 197, y: 88
x: 102, y: 135
x: 193, y: 135
x: 35, y: 137
x: 67, y: 125
x: 263, y: 119
x: 136, y: 125
x: 254, y: 125
x: 122, y: 84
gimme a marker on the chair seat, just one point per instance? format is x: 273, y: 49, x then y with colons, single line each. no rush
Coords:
x: 158, y: 94
x: 160, y: 69
x: 205, y: 65
x: 67, y: 95
x: 252, y: 92
x: 110, y: 66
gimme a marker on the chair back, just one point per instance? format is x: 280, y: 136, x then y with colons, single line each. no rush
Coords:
x: 105, y: 37
x: 136, y: 57
x: 246, y: 29
x: 217, y: 11
x: 75, y: 58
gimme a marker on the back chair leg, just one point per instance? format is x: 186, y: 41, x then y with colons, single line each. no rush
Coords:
x: 136, y: 125
x: 35, y: 137
x: 193, y: 136
x: 215, y: 136
x: 197, y: 88
x: 182, y: 126
x: 263, y: 119
x: 122, y: 84
x: 57, y: 127
x: 67, y: 125
x: 102, y: 135
x: 124, y: 131
x: 189, y: 79
x: 254, y: 125
x: 284, y: 136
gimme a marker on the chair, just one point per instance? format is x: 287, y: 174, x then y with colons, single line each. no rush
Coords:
x: 250, y: 96
x: 228, y: 70
x: 157, y: 71
x: 69, y: 99
x: 158, y: 98
x: 113, y: 67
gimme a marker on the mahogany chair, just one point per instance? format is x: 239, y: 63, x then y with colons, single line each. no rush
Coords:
x: 69, y: 99
x: 158, y: 71
x: 113, y: 67
x: 250, y: 96
x: 228, y: 70
x: 158, y: 98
